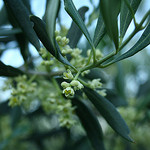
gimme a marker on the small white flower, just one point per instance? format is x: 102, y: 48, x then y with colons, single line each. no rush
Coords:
x: 66, y: 50
x: 85, y: 72
x: 68, y: 75
x: 88, y: 52
x: 76, y: 52
x: 76, y: 84
x: 68, y: 92
x: 99, y: 54
x: 95, y: 83
x: 102, y: 92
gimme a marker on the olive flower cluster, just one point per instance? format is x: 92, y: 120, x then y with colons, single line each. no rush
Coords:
x: 70, y: 88
x: 22, y: 90
x: 54, y: 103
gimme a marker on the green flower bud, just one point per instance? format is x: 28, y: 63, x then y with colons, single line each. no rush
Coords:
x: 65, y: 84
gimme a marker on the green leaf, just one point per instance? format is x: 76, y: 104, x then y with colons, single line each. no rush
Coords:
x: 9, y: 71
x: 51, y: 14
x: 71, y: 10
x: 110, y: 10
x: 7, y: 32
x: 15, y: 116
x: 40, y: 29
x: 74, y: 33
x: 3, y: 16
x: 140, y: 44
x: 90, y: 124
x: 21, y: 14
x: 115, y: 98
x: 109, y: 112
x: 99, y: 31
x: 96, y: 73
x: 126, y: 15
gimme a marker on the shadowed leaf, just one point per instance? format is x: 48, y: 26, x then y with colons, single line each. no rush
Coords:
x: 71, y: 10
x: 90, y: 124
x: 9, y: 71
x: 99, y: 31
x: 109, y: 112
x: 110, y: 10
x: 40, y: 29
x: 74, y: 33
x: 21, y: 14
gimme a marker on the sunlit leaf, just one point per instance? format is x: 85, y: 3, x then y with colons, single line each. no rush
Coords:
x: 71, y: 10
x: 109, y: 112
x: 74, y: 33
x: 110, y: 10
x: 51, y: 14
x: 90, y: 124
x: 21, y: 14
x: 126, y: 15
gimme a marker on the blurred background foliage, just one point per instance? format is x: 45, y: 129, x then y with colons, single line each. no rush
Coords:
x: 129, y: 79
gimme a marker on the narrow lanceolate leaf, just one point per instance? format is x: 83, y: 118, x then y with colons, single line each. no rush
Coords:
x: 40, y: 29
x: 21, y: 14
x: 109, y: 112
x: 9, y: 71
x: 71, y: 10
x: 90, y: 124
x: 99, y: 31
x: 8, y: 32
x: 74, y: 33
x: 51, y: 14
x: 140, y: 44
x: 126, y: 15
x: 110, y: 10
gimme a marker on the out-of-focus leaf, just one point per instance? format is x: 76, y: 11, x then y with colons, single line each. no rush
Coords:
x: 99, y: 31
x: 109, y: 112
x: 96, y: 73
x: 24, y: 49
x: 144, y: 89
x: 7, y: 32
x: 110, y: 10
x: 90, y: 124
x: 3, y: 16
x: 16, y: 114
x: 40, y: 29
x: 74, y: 33
x: 4, y: 108
x: 51, y: 14
x: 71, y: 10
x: 126, y: 16
x: 115, y: 98
x: 21, y: 14
x: 19, y: 131
x: 139, y: 45
x: 9, y: 71
x: 120, y: 80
